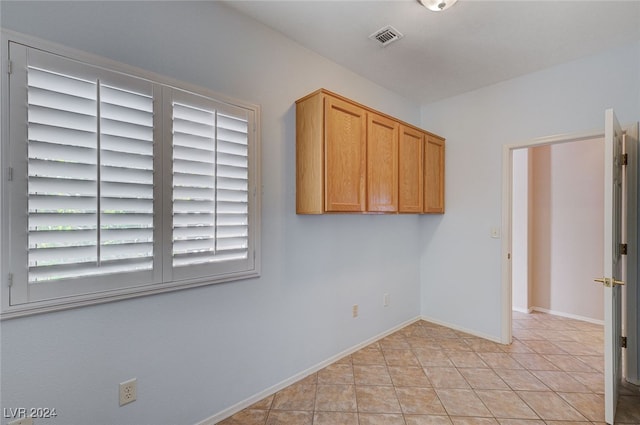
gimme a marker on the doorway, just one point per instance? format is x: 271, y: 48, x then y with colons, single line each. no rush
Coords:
x: 557, y: 234
x: 632, y: 292
x: 507, y: 214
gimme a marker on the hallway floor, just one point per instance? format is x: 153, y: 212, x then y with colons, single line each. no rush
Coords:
x: 429, y: 374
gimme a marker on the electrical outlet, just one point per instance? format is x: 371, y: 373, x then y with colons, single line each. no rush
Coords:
x: 128, y: 391
x: 354, y: 310
x: 385, y: 300
x: 22, y: 421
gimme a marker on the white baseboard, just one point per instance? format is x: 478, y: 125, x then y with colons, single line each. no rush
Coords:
x: 523, y: 310
x: 212, y: 420
x: 568, y: 315
x: 462, y: 329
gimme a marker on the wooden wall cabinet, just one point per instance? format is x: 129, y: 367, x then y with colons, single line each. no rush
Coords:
x: 350, y: 158
x: 434, y: 175
x: 382, y: 163
x: 411, y: 178
x: 345, y: 156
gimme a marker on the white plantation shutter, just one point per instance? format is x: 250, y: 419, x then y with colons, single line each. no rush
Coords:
x: 232, y: 203
x: 84, y: 219
x: 62, y: 175
x: 82, y: 151
x: 126, y: 180
x: 194, y: 185
x: 119, y: 185
x: 210, y: 181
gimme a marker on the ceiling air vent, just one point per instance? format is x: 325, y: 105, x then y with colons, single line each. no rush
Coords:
x: 386, y: 35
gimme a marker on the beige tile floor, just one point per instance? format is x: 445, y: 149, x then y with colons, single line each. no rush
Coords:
x: 426, y: 374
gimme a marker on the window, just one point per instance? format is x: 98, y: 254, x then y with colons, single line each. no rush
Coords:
x: 121, y: 185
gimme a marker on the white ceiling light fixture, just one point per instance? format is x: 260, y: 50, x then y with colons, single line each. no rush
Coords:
x: 437, y: 5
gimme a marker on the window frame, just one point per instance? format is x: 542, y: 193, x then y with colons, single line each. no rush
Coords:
x: 163, y: 279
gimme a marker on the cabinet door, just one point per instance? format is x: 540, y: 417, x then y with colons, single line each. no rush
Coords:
x: 345, y: 156
x: 411, y: 174
x: 382, y: 164
x: 434, y: 175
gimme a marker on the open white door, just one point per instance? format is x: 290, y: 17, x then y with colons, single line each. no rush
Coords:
x: 612, y: 279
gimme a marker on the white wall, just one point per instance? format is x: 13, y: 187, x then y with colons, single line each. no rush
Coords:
x: 567, y: 236
x: 568, y: 98
x: 197, y: 352
x: 520, y: 270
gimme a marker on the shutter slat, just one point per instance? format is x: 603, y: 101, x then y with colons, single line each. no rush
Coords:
x: 193, y: 141
x: 128, y: 220
x: 225, y: 183
x: 182, y: 112
x: 61, y: 221
x: 62, y: 204
x: 124, y: 174
x: 61, y: 119
x: 232, y: 123
x: 126, y: 190
x: 193, y: 154
x: 125, y: 98
x: 229, y: 160
x: 232, y: 149
x: 193, y: 167
x: 193, y: 206
x: 191, y: 128
x: 61, y: 136
x: 192, y: 259
x: 232, y: 137
x: 60, y: 101
x: 232, y: 196
x: 62, y: 170
x: 194, y: 246
x: 240, y: 231
x: 193, y: 232
x: 126, y: 236
x: 126, y: 145
x: 232, y: 208
x: 62, y: 153
x: 126, y: 114
x: 193, y: 193
x: 125, y: 130
x: 193, y: 220
x: 44, y: 257
x: 125, y: 251
x: 232, y: 244
x: 132, y: 161
x: 57, y: 239
x: 61, y: 186
x: 52, y: 81
x: 183, y: 179
x: 53, y: 273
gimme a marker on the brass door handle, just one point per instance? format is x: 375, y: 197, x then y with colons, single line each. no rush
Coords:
x: 609, y: 282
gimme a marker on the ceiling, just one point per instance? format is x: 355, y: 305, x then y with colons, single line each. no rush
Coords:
x: 473, y: 44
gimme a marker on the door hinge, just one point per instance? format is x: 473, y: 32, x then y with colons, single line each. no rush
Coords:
x: 624, y: 159
x: 9, y: 67
x: 10, y: 175
x: 10, y: 280
x: 623, y: 341
x: 623, y: 249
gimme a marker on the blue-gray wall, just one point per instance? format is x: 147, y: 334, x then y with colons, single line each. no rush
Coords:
x: 198, y: 352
